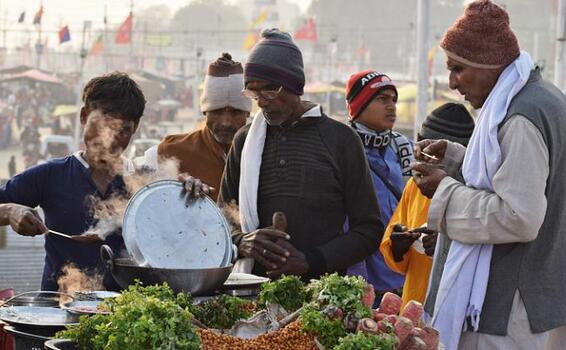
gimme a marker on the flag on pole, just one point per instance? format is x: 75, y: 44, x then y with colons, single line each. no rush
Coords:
x: 38, y: 15
x: 253, y: 35
x: 307, y: 32
x: 251, y: 39
x: 261, y: 17
x: 64, y: 35
x: 22, y: 17
x: 124, y: 34
x: 97, y: 46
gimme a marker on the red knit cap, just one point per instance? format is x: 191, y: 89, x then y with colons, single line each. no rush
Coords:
x: 482, y: 37
x: 362, y: 88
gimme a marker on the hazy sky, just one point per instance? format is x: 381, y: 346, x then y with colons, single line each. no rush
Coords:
x: 73, y: 12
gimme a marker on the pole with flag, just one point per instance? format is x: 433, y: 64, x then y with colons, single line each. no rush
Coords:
x: 97, y: 46
x: 64, y: 35
x: 253, y: 34
x: 38, y: 16
x: 124, y: 34
x: 83, y: 55
x: 423, y: 11
x: 38, y: 45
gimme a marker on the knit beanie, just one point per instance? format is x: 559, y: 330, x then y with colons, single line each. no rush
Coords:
x: 362, y: 87
x: 482, y: 37
x: 276, y: 58
x: 451, y: 121
x: 223, y: 86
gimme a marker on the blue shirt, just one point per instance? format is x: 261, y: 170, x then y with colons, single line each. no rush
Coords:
x: 374, y: 269
x: 64, y: 189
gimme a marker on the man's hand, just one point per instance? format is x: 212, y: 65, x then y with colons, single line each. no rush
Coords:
x: 194, y: 188
x: 435, y: 148
x: 429, y: 243
x: 427, y: 177
x: 265, y: 246
x: 296, y: 263
x: 25, y: 221
x: 401, y: 241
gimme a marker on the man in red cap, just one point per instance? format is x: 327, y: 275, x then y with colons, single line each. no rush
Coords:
x: 501, y: 199
x: 372, y: 99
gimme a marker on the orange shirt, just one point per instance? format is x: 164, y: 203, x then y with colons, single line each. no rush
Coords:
x: 412, y: 212
x: 199, y: 155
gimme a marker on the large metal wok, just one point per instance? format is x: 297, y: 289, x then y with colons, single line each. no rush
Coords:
x: 195, y: 281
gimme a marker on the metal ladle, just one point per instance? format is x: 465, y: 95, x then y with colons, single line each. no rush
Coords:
x: 88, y: 238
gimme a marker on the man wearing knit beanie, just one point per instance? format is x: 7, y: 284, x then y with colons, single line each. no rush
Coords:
x: 372, y: 97
x: 202, y: 153
x: 411, y: 253
x: 296, y: 160
x: 501, y: 200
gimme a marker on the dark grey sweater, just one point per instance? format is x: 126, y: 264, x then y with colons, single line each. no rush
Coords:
x: 537, y: 268
x: 314, y: 171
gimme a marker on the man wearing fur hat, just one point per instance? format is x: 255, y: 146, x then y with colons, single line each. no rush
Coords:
x: 504, y: 278
x: 202, y: 153
x: 296, y: 160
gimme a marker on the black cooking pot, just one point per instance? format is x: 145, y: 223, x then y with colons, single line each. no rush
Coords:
x: 39, y: 298
x: 195, y: 281
x: 23, y: 340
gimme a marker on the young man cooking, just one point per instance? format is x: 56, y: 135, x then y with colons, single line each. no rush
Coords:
x: 66, y: 188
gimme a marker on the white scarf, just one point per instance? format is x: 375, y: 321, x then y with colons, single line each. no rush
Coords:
x: 464, y: 282
x: 250, y: 164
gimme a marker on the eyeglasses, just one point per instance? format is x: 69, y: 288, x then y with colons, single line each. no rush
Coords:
x: 265, y: 94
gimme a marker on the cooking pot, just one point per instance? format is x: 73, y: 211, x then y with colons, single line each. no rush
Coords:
x: 201, y: 281
x: 39, y: 298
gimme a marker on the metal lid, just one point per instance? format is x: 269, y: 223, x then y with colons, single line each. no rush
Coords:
x: 161, y: 230
x: 38, y: 316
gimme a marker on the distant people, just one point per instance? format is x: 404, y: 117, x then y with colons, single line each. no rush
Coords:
x: 12, y: 166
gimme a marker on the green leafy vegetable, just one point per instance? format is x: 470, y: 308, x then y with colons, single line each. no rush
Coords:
x: 223, y: 311
x: 287, y: 291
x: 344, y: 292
x: 142, y: 318
x: 86, y: 331
x: 362, y: 341
x: 327, y: 331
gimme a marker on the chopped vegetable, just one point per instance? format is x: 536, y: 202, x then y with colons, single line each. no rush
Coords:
x: 288, y: 292
x: 223, y: 311
x: 327, y: 331
x: 142, y: 318
x: 362, y: 341
x: 344, y: 292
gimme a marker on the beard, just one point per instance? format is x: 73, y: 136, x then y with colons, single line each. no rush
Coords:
x: 223, y: 135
